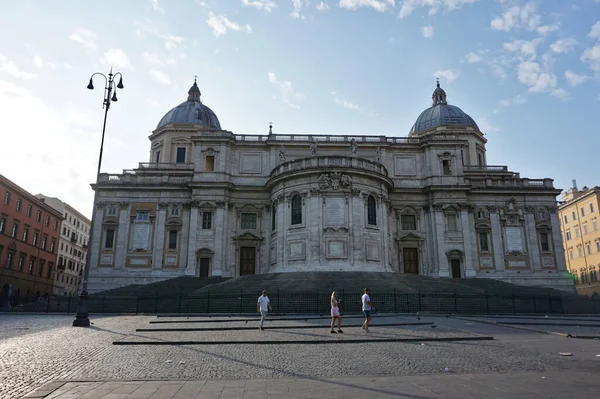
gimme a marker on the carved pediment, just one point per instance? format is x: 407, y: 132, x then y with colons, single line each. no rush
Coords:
x: 205, y: 251
x: 410, y: 237
x: 248, y: 235
x: 335, y: 230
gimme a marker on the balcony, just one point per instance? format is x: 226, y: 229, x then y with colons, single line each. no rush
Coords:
x: 486, y: 169
x: 511, y: 183
x: 140, y: 179
x: 328, y: 162
x: 165, y: 166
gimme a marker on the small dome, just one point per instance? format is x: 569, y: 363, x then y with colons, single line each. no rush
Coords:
x: 441, y: 114
x: 191, y: 112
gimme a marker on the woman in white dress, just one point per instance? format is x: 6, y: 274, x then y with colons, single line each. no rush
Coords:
x: 335, y: 314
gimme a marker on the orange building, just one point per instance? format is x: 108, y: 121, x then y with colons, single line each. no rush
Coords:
x: 580, y: 228
x: 29, y: 237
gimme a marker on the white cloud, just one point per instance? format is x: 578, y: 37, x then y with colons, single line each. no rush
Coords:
x: 298, y: 5
x: 84, y: 37
x: 220, y: 24
x: 322, y: 6
x: 595, y: 31
x: 37, y: 60
x: 13, y: 69
x: 427, y: 31
x: 288, y: 94
x: 537, y: 78
x: 486, y: 126
x: 160, y: 76
x: 448, y: 75
x: 518, y: 17
x: 156, y: 7
x: 545, y: 29
x: 575, y: 79
x: 591, y: 56
x: 378, y: 5
x: 170, y: 41
x: 524, y: 47
x: 267, y: 5
x: 560, y: 93
x: 342, y: 101
x: 564, y: 45
x: 516, y: 100
x: 408, y: 6
x: 117, y: 58
x: 475, y: 57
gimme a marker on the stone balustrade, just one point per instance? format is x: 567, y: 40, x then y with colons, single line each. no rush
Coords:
x: 328, y: 161
x: 165, y: 165
x: 306, y: 138
x: 132, y: 178
x: 486, y: 168
x: 512, y: 183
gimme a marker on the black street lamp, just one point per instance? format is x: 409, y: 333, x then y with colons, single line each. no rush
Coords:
x: 82, y: 318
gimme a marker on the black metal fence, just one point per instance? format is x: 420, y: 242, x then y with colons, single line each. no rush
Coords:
x: 318, y: 303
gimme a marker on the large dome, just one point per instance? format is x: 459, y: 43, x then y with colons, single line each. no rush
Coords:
x: 191, y: 112
x: 441, y: 114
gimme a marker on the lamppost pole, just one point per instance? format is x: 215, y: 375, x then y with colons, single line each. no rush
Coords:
x: 82, y: 318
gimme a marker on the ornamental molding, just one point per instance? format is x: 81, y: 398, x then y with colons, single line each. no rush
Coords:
x: 493, y: 209
x: 334, y: 181
x: 163, y: 206
x: 221, y: 204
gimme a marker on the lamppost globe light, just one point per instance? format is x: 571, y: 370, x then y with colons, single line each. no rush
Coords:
x: 82, y: 318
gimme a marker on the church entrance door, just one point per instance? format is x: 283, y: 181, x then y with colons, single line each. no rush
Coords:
x: 455, y: 266
x: 247, y: 260
x: 204, y: 266
x: 411, y: 260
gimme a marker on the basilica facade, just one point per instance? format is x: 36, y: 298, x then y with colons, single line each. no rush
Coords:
x: 210, y: 202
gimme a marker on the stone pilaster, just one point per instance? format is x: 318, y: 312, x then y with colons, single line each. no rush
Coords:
x: 314, y: 229
x: 439, y: 229
x: 123, y: 237
x: 497, y: 241
x: 94, y: 246
x: 159, y: 237
x: 219, y: 226
x: 532, y: 242
x: 191, y: 249
x: 185, y: 236
x: 468, y: 236
x: 385, y: 235
x: 557, y: 245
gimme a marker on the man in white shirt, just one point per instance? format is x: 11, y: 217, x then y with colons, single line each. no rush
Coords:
x: 367, y: 307
x: 263, y: 306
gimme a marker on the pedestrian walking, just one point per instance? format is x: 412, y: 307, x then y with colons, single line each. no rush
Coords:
x: 263, y: 306
x: 335, y: 314
x: 367, y: 308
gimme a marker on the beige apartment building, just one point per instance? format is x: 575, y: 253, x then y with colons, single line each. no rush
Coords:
x: 74, y: 236
x: 580, y: 230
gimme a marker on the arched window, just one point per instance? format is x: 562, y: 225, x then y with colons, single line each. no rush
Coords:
x: 371, y: 211
x: 296, y: 209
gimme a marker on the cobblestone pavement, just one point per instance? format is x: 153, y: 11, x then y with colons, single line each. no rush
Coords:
x: 38, y: 349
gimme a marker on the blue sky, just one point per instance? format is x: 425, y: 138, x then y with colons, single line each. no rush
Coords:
x: 526, y: 71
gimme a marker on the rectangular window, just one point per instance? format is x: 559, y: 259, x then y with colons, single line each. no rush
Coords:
x: 6, y: 198
x: 570, y: 253
x: 142, y: 216
x: 44, y: 241
x: 109, y: 239
x: 180, y: 158
x: 21, y: 262
x: 9, y: 260
x: 446, y: 167
x: 64, y: 231
x: 35, y: 238
x: 594, y: 224
x: 576, y: 231
x: 41, y: 268
x: 2, y: 224
x: 15, y: 230
x: 579, y: 252
x: 49, y: 270
x: 484, y: 243
x: 566, y: 220
x: 47, y: 221
x: 574, y: 216
x: 544, y: 241
x: 480, y: 159
x: 19, y: 204
x: 206, y: 220
x: 157, y: 157
x: 591, y: 207
x: 173, y: 239
x: 408, y: 222
x: 451, y: 220
x: 29, y: 209
x: 568, y: 235
x: 585, y: 228
x: 31, y: 265
x: 55, y: 225
x: 597, y: 246
x: 25, y: 234
x: 53, y: 245
x: 588, y: 248
x: 174, y: 210
x: 111, y: 210
x: 248, y: 221
x: 274, y: 217
x: 39, y: 216
x: 582, y: 212
x: 210, y: 163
